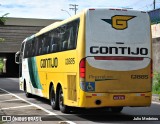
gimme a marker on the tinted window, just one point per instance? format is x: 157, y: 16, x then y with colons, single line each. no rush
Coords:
x: 29, y: 48
x: 60, y: 39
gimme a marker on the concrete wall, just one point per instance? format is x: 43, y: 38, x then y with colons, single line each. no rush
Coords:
x: 156, y: 46
x: 156, y: 54
x: 155, y: 30
x: 14, y: 35
x: 16, y: 30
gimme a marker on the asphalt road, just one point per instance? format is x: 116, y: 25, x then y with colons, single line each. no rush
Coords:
x: 13, y: 103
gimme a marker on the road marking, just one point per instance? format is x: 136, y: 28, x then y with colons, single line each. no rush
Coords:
x: 16, y: 107
x: 9, y: 100
x: 47, y: 111
x: 5, y: 94
x: 156, y: 103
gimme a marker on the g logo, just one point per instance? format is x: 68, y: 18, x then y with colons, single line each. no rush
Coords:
x: 119, y: 22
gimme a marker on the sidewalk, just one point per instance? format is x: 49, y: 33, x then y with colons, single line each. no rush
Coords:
x: 156, y: 97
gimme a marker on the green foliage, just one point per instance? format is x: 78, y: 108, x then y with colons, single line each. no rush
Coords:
x: 2, y: 22
x: 1, y: 65
x: 3, y: 19
x: 156, y: 83
x: 1, y: 62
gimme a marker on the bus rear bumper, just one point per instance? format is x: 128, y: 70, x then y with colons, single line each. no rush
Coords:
x: 96, y: 100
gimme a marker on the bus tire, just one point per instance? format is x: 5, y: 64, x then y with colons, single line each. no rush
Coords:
x: 53, y: 99
x: 28, y: 95
x: 63, y: 108
x: 116, y: 109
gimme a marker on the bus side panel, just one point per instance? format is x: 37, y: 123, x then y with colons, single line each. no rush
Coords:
x: 63, y: 73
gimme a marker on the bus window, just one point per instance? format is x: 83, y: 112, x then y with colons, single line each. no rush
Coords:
x: 26, y: 51
x: 36, y: 46
x: 73, y: 31
x: 54, y: 39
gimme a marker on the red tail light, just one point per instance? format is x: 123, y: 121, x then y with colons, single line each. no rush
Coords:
x: 82, y: 68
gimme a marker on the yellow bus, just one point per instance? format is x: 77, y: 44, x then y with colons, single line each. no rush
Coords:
x: 97, y: 58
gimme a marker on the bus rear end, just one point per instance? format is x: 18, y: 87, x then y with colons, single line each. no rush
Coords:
x: 117, y: 68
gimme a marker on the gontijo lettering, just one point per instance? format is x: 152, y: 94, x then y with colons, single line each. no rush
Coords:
x: 118, y: 50
x: 49, y: 63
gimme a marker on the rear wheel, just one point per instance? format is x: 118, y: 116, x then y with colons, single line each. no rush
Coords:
x: 28, y: 95
x: 63, y: 108
x: 53, y: 99
x: 116, y: 109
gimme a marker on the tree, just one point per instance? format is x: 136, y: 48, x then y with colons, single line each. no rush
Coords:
x: 2, y: 22
x: 3, y: 19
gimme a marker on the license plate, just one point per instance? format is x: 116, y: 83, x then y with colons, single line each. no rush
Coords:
x: 119, y: 97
